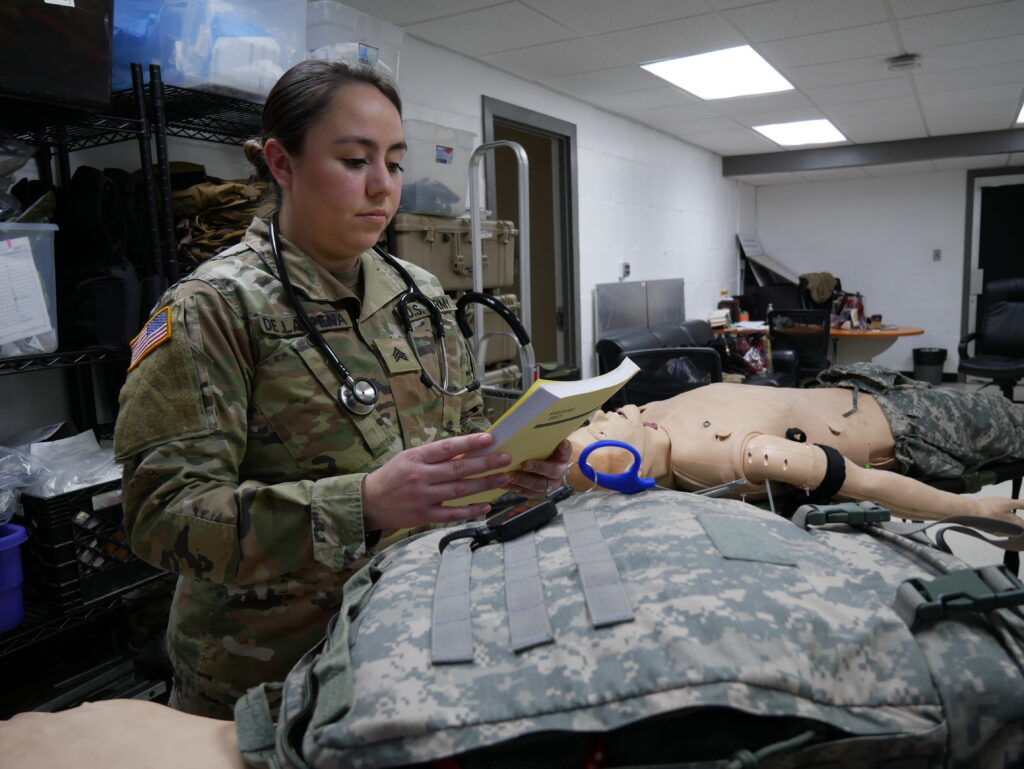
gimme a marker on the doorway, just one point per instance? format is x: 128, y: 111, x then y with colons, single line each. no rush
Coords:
x: 550, y: 146
x: 994, y: 200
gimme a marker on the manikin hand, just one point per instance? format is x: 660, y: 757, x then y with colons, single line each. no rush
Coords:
x: 118, y: 734
x: 1000, y: 508
x: 409, y: 489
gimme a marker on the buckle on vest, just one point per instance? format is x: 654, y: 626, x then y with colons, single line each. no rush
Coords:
x: 853, y: 513
x: 980, y: 590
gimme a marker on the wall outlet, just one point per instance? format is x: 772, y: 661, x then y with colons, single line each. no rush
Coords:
x: 937, y: 255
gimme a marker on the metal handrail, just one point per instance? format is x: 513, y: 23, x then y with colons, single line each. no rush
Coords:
x: 524, y: 242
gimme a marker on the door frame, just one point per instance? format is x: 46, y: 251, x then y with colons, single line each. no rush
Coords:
x: 566, y: 224
x: 972, y: 281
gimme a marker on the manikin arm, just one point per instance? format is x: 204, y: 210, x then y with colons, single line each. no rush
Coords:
x: 768, y: 457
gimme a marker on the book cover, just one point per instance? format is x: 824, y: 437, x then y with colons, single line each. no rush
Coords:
x: 544, y: 416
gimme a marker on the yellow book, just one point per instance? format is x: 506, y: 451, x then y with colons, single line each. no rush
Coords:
x: 543, y: 417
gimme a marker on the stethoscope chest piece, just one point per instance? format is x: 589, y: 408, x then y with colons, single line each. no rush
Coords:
x: 359, y: 397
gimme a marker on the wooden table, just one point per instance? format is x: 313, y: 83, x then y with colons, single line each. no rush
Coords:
x: 886, y: 334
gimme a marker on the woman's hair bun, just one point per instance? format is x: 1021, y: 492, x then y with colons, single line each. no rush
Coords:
x: 253, y: 149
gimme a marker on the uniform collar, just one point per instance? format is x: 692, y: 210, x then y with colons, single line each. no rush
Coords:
x: 315, y: 282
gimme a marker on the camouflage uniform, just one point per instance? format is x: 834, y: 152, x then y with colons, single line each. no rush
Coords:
x: 242, y: 472
x: 939, y: 432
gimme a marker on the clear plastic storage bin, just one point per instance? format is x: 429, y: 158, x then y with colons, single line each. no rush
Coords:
x: 237, y: 47
x: 436, y: 169
x: 335, y: 31
x: 28, y: 294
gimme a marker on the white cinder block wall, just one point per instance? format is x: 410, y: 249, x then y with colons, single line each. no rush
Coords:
x: 877, y: 235
x: 645, y: 198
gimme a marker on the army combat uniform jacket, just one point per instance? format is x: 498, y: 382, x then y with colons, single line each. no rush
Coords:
x: 242, y: 472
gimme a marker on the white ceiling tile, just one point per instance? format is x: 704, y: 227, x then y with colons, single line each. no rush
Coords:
x: 892, y: 126
x: 855, y: 43
x: 790, y: 18
x: 593, y: 17
x: 544, y: 62
x: 491, y: 30
x: 778, y: 116
x: 724, y: 5
x: 967, y: 118
x: 764, y: 180
x: 693, y: 127
x: 674, y: 114
x: 671, y: 39
x: 868, y: 107
x: 403, y: 12
x: 609, y: 81
x: 895, y: 169
x: 1011, y: 72
x: 744, y: 105
x: 869, y: 91
x: 960, y: 26
x: 994, y: 93
x: 834, y: 174
x: 740, y: 142
x: 840, y: 73
x: 904, y: 8
x: 969, y: 164
x: 650, y: 99
x: 978, y: 53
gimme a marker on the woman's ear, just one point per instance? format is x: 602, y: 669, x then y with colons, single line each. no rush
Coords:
x: 279, y: 162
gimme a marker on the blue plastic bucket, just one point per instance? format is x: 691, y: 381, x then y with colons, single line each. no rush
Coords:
x: 12, y: 606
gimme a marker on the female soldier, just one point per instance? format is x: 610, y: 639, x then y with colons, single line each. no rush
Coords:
x: 255, y: 466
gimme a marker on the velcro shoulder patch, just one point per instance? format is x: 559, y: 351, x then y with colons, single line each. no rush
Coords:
x: 397, y: 355
x: 156, y: 331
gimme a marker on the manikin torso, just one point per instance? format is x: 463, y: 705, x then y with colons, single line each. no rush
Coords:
x: 696, y: 439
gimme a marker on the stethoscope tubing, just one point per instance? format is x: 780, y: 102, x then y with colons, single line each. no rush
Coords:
x: 359, y: 395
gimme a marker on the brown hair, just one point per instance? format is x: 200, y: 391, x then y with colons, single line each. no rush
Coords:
x: 300, y: 96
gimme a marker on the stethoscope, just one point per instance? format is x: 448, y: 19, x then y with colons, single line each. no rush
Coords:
x: 359, y: 395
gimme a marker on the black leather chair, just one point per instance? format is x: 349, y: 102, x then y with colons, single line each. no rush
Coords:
x: 668, y: 371
x: 999, y: 340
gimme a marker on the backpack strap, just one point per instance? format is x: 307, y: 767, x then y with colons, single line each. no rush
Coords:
x: 524, y: 595
x: 255, y: 727
x: 451, y: 632
x: 606, y: 597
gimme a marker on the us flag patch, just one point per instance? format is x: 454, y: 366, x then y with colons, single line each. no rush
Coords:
x: 157, y: 331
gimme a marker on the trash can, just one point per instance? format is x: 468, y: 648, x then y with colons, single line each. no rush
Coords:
x: 928, y: 364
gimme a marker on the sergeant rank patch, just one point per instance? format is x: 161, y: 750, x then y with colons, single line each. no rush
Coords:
x: 156, y: 332
x: 397, y: 355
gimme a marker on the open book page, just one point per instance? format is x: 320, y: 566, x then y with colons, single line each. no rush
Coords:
x: 544, y: 416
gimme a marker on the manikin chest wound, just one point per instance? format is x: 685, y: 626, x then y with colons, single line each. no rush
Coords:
x: 746, y: 641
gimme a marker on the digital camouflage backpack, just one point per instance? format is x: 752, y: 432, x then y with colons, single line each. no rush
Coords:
x: 660, y: 629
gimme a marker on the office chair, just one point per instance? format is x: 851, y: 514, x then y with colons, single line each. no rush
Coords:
x: 804, y: 335
x: 999, y: 340
x: 668, y: 371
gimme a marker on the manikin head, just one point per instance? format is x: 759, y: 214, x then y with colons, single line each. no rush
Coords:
x: 626, y: 425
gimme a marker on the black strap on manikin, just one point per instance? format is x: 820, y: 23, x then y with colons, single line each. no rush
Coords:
x: 835, y: 477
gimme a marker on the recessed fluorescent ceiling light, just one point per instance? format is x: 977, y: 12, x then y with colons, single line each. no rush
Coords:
x: 721, y: 74
x: 801, y: 132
